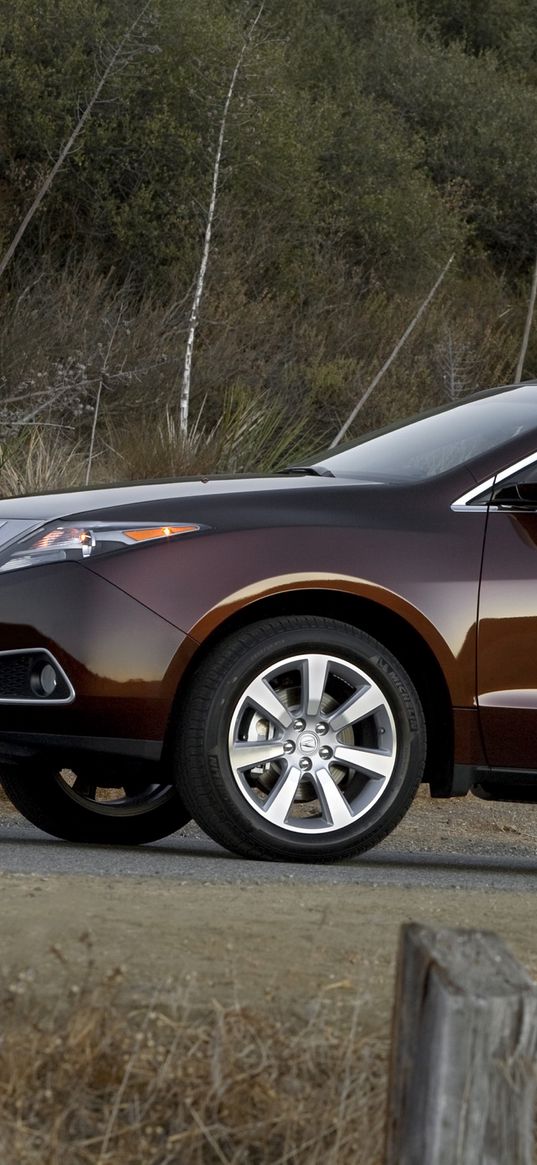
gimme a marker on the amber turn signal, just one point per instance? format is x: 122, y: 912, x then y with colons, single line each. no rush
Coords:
x: 158, y: 532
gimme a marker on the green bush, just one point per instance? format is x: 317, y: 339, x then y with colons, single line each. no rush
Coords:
x: 366, y: 141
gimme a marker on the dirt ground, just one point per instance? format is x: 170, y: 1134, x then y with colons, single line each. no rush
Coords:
x: 197, y: 987
x: 289, y: 947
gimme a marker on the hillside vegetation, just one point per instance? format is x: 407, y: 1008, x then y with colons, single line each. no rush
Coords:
x: 366, y: 141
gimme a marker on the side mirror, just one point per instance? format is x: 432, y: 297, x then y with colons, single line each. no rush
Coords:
x: 522, y: 496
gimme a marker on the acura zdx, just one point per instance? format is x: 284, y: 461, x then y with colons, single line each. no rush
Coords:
x: 283, y: 657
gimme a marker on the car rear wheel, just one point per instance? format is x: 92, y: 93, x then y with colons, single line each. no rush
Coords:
x: 301, y: 738
x: 128, y: 811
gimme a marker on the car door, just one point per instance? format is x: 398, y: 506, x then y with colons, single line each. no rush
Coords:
x: 507, y: 628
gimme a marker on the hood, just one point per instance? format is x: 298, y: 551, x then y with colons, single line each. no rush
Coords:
x: 163, y: 499
x: 100, y: 499
x: 288, y: 499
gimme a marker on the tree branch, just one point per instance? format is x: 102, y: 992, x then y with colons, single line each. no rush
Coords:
x: 392, y: 356
x: 527, y: 329
x: 66, y: 149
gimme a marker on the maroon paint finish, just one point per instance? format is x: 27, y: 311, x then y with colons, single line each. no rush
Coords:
x: 507, y: 652
x: 198, y: 585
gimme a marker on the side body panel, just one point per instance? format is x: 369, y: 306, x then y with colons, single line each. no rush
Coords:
x: 507, y: 655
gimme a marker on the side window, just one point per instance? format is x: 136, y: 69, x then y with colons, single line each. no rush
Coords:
x: 517, y: 490
x: 521, y: 475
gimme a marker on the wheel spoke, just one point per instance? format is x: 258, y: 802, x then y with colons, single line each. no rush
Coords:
x: 357, y: 708
x: 376, y: 765
x: 262, y: 696
x: 84, y: 788
x: 249, y: 753
x: 278, y: 805
x: 135, y: 788
x: 314, y: 673
x: 334, y: 804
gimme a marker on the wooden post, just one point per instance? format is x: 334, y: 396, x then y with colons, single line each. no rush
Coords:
x: 463, y: 1068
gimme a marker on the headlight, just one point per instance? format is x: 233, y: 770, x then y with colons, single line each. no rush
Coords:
x: 57, y: 543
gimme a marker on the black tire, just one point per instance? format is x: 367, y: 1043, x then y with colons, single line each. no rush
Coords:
x: 217, y: 727
x: 146, y: 812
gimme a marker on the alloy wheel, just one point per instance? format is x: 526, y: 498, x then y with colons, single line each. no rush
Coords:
x: 312, y: 743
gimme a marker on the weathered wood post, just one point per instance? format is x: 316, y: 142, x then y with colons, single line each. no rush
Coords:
x: 463, y: 1068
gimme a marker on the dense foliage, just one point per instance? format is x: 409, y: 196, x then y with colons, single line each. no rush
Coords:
x: 367, y: 140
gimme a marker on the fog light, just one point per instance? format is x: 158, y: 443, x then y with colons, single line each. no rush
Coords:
x: 44, y: 680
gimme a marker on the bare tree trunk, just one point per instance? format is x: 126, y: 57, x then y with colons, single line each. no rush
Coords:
x: 527, y: 329
x: 391, y: 358
x: 184, y: 399
x: 66, y: 149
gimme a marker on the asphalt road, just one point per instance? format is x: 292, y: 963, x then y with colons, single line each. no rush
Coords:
x: 192, y: 857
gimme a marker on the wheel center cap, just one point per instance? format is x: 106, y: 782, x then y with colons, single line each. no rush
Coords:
x: 308, y: 742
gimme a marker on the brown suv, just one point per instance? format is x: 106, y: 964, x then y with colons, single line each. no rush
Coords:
x: 283, y: 657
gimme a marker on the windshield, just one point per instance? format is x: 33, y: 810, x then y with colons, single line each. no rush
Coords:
x: 432, y: 444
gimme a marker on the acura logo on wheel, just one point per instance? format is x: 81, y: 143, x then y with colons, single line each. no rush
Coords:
x: 308, y: 742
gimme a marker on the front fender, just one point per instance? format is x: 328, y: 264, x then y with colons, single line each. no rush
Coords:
x: 198, y: 583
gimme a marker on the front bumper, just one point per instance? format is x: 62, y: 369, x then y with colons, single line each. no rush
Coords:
x: 122, y: 661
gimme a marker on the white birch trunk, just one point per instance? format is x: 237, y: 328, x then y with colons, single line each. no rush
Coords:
x: 66, y: 149
x: 184, y: 399
x: 392, y: 356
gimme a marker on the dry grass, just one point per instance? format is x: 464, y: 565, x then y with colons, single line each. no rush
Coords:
x: 43, y: 461
x: 102, y: 1077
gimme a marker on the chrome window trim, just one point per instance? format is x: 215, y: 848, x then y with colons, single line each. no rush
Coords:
x: 39, y: 699
x: 465, y: 501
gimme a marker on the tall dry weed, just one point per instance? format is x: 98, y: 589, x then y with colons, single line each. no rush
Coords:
x: 37, y: 461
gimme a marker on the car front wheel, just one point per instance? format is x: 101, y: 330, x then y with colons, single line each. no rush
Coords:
x: 301, y: 738
x: 90, y: 806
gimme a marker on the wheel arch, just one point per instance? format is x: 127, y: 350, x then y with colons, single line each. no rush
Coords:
x: 390, y: 628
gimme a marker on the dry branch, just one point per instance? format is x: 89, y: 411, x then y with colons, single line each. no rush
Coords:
x: 102, y: 381
x: 68, y: 146
x: 527, y: 329
x: 393, y: 354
